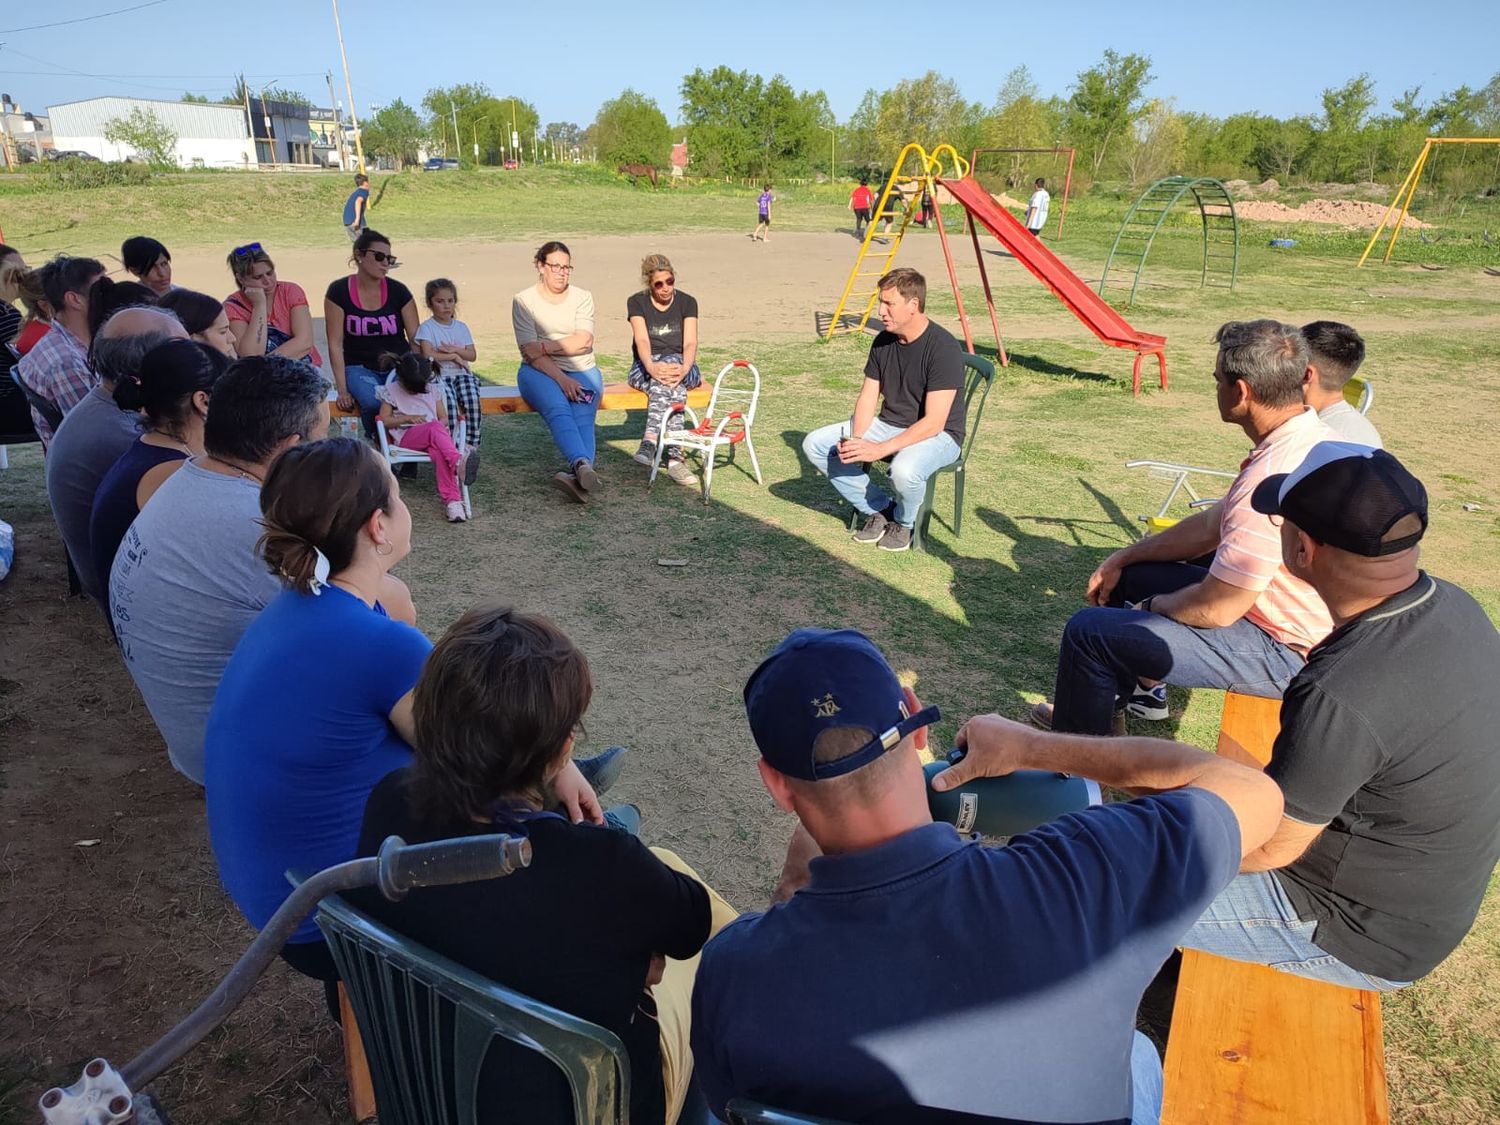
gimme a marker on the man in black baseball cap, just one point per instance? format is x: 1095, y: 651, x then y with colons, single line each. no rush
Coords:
x: 1387, y: 753
x: 920, y: 976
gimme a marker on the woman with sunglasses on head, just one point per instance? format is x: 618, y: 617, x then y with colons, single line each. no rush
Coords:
x: 268, y: 316
x: 367, y: 315
x: 664, y: 346
x: 554, y: 326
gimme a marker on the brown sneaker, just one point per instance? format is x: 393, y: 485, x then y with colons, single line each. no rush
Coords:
x: 680, y: 473
x: 896, y: 538
x: 874, y: 528
x: 583, y: 473
x: 1041, y: 717
x: 567, y: 484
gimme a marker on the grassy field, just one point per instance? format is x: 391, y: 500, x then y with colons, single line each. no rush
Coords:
x: 974, y: 622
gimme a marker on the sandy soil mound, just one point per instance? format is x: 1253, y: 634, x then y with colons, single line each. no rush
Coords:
x: 1338, y: 212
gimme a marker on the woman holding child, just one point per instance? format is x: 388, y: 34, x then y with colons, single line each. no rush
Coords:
x: 664, y: 347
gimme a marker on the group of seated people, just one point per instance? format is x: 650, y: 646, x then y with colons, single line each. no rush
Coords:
x: 252, y: 598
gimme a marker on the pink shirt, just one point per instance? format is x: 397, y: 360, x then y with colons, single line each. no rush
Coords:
x: 288, y: 296
x: 403, y: 401
x: 1249, y: 552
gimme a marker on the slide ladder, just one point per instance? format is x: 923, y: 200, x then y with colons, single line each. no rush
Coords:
x: 1079, y: 298
x: 877, y: 253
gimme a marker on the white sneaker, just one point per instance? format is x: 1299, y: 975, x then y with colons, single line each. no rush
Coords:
x: 456, y: 511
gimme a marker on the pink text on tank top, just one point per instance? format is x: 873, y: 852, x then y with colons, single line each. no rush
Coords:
x: 357, y: 325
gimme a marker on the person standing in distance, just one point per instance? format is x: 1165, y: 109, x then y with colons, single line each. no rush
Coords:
x: 1037, y: 207
x: 357, y: 206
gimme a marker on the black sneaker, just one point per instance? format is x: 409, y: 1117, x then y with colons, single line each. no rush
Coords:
x: 874, y: 528
x: 896, y: 538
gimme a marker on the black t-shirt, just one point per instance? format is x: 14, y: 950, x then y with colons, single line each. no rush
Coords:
x: 576, y: 930
x: 1389, y: 735
x: 370, y: 332
x: 663, y: 329
x: 908, y: 373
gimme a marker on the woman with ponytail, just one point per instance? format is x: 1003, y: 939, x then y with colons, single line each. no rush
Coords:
x: 315, y: 705
x: 171, y: 392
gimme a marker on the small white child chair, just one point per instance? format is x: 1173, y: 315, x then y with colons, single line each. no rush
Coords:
x: 399, y: 455
x: 735, y: 397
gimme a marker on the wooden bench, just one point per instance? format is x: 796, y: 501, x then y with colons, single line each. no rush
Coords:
x: 1250, y: 1044
x: 617, y: 396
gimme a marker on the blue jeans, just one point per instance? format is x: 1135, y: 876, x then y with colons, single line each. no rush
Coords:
x: 1253, y: 920
x: 1106, y: 649
x: 571, y: 423
x: 910, y: 468
x: 362, y: 383
x: 1146, y: 1083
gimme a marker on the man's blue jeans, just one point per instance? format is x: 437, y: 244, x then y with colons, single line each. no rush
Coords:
x: 571, y: 423
x: 1106, y: 649
x: 362, y: 384
x: 910, y: 468
x: 1253, y: 920
x: 1146, y: 1082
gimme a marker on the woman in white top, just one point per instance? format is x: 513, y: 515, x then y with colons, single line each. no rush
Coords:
x: 554, y: 325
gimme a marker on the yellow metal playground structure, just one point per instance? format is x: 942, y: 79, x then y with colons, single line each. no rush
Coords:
x: 1408, y: 191
x: 912, y: 182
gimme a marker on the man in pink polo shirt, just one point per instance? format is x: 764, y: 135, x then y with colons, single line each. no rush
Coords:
x: 1244, y: 622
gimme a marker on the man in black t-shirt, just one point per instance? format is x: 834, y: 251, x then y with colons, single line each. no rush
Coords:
x: 1386, y: 755
x: 915, y: 378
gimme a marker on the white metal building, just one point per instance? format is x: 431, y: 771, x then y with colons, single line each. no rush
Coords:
x: 208, y: 136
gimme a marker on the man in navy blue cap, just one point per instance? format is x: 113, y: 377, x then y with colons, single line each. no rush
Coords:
x: 919, y: 976
x: 1386, y: 756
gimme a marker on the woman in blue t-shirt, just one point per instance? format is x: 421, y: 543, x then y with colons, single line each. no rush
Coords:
x: 366, y: 315
x: 315, y: 706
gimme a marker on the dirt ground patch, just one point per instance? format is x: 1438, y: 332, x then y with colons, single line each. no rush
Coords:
x: 1336, y: 212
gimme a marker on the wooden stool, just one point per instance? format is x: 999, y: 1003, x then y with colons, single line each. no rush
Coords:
x: 1250, y: 1044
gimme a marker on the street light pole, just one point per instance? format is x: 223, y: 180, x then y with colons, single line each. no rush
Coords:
x: 514, y: 139
x: 458, y: 142
x: 833, y: 140
x: 486, y: 117
x: 359, y: 143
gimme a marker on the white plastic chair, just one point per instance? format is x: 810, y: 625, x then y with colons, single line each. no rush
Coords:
x: 399, y: 455
x: 729, y: 403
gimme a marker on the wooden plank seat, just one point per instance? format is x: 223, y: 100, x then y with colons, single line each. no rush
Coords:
x: 617, y: 396
x: 1250, y: 1044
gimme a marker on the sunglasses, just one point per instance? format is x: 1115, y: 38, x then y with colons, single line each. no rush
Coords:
x: 383, y: 258
x: 665, y: 283
x: 248, y: 248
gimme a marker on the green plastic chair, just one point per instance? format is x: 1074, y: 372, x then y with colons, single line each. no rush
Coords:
x: 426, y: 1071
x: 742, y: 1111
x: 977, y: 383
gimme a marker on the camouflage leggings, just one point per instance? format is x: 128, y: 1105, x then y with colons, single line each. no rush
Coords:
x: 660, y: 399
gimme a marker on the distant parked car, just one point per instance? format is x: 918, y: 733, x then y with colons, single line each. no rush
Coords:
x: 71, y: 154
x: 441, y: 164
x: 511, y: 165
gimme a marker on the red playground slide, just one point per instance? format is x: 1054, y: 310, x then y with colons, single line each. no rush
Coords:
x: 1102, y: 320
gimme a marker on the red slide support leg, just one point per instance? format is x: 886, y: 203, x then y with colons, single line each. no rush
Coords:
x: 1135, y: 370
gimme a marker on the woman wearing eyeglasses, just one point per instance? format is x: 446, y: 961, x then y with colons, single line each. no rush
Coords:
x: 367, y: 314
x: 554, y: 325
x: 664, y: 342
x: 268, y: 316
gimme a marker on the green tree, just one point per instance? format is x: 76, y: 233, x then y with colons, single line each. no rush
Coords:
x: 720, y: 109
x: 1019, y: 118
x: 1345, y: 109
x: 1284, y: 145
x: 859, y: 142
x: 930, y: 111
x: 195, y: 99
x: 146, y: 135
x: 1154, y: 146
x: 395, y: 131
x: 631, y: 129
x: 1107, y: 99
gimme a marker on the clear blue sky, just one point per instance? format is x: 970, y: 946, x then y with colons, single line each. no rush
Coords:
x: 566, y: 57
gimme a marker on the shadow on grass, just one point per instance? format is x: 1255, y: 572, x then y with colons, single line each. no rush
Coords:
x: 1035, y: 363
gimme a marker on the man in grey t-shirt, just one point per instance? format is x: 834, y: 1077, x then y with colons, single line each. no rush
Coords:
x: 187, y: 579
x: 1334, y: 353
x: 96, y: 432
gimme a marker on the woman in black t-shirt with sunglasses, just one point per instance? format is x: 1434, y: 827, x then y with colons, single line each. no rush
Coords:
x: 367, y: 314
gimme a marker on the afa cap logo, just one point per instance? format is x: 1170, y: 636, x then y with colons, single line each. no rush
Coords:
x: 825, y: 708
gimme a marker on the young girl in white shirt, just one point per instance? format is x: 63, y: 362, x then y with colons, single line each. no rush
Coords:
x: 447, y: 341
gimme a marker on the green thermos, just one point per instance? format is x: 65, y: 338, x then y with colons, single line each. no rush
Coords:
x: 1009, y: 805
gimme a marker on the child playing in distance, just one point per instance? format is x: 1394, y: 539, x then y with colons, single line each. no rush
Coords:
x: 1036, y: 208
x: 448, y: 342
x: 763, y: 216
x: 413, y: 411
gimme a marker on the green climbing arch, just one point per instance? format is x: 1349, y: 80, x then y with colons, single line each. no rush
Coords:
x: 1221, y: 233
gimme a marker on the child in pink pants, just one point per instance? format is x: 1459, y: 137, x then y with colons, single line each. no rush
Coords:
x: 414, y: 414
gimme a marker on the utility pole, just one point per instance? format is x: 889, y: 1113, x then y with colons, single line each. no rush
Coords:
x: 338, y: 126
x: 458, y: 142
x: 359, y: 143
x: 265, y: 115
x: 249, y: 120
